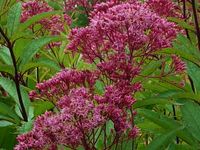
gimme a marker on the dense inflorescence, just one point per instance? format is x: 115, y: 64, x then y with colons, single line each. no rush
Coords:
x: 54, y: 24
x: 119, y: 40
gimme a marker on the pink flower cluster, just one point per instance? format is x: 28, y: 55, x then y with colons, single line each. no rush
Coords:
x: 165, y: 8
x: 178, y: 65
x: 120, y: 38
x: 55, y: 24
x: 77, y: 117
x: 61, y: 84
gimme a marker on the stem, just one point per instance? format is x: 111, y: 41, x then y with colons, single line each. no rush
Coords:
x: 196, y: 22
x: 175, y: 118
x: 16, y: 78
x: 185, y: 18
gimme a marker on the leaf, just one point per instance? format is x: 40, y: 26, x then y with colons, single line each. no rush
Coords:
x: 194, y: 72
x: 35, y: 19
x: 181, y: 23
x: 41, y: 106
x: 7, y: 68
x: 191, y: 113
x: 162, y: 141
x: 5, y: 55
x: 7, y: 111
x: 8, y: 137
x: 26, y: 127
x: 13, y: 18
x: 168, y: 124
x: 9, y: 86
x: 42, y: 62
x: 33, y: 47
x: 185, y: 55
x: 150, y: 101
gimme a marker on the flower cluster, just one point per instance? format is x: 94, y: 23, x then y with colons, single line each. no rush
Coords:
x: 55, y: 24
x: 121, y: 37
x: 165, y: 8
x: 60, y: 85
x: 77, y: 117
x: 178, y: 65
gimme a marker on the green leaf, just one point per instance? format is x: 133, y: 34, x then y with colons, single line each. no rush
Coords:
x: 34, y: 46
x: 9, y: 86
x: 5, y: 55
x: 8, y: 137
x: 13, y: 18
x: 41, y: 106
x: 150, y: 101
x: 191, y: 113
x: 185, y: 55
x: 7, y: 69
x: 35, y: 19
x: 7, y: 111
x: 194, y: 72
x: 168, y: 124
x: 181, y: 23
x: 26, y: 127
x: 162, y: 141
x: 41, y: 62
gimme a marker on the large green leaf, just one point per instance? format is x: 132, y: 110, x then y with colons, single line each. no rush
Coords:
x: 191, y: 113
x: 13, y: 18
x: 34, y: 46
